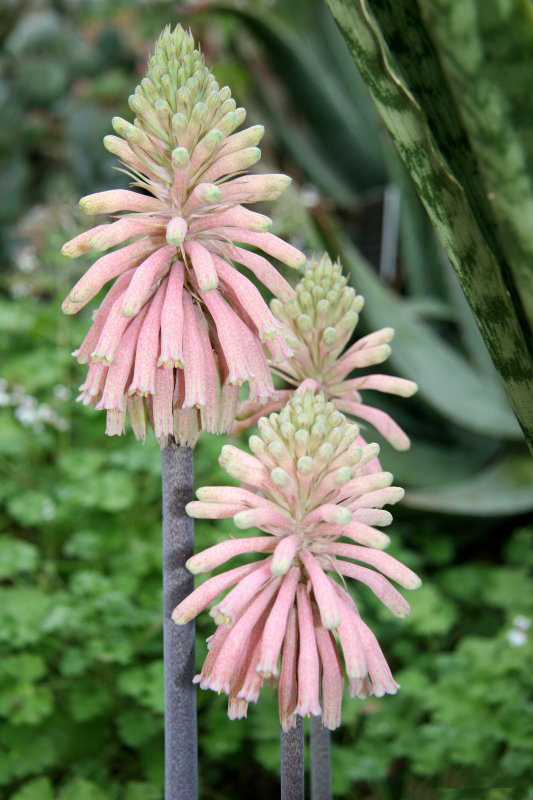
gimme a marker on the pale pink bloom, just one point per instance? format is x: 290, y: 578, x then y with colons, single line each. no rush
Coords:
x: 318, y: 322
x: 289, y: 616
x: 181, y: 328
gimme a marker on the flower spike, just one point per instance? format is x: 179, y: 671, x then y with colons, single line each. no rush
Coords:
x: 318, y: 321
x: 307, y: 490
x: 179, y: 241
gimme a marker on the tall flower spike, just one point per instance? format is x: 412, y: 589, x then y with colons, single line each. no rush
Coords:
x: 305, y: 488
x: 318, y: 322
x: 181, y: 328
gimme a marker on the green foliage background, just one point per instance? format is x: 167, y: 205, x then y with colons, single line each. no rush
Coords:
x: 80, y: 556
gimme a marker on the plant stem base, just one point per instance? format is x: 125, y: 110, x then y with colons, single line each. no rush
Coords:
x: 181, y: 772
x: 292, y: 762
x: 320, y: 757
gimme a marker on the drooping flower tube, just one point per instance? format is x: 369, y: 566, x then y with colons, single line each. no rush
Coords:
x: 181, y: 327
x: 318, y: 323
x: 289, y: 616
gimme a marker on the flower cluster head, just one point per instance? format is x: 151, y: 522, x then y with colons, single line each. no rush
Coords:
x: 285, y: 618
x: 181, y: 327
x: 319, y: 321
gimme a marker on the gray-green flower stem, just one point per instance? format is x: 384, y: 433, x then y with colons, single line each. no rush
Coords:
x: 181, y: 773
x: 292, y: 762
x: 320, y: 755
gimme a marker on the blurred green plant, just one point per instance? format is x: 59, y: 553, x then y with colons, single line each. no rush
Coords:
x: 56, y: 79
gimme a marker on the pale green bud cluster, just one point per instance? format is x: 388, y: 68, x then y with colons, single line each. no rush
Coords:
x: 322, y: 316
x: 307, y: 434
x: 176, y: 104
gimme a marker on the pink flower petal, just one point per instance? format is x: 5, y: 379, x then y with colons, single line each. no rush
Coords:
x: 119, y: 200
x: 106, y: 236
x: 253, y: 188
x: 364, y: 484
x: 145, y: 276
x: 261, y: 268
x: 323, y: 590
x: 288, y: 683
x: 163, y: 419
x: 91, y: 340
x: 386, y: 564
x: 352, y: 647
x: 147, y: 348
x: 231, y: 163
x: 249, y: 298
x: 172, y: 319
x: 377, y: 499
x: 220, y: 553
x: 105, y: 269
x: 82, y: 243
x: 308, y: 662
x: 272, y: 245
x: 237, y: 216
x: 276, y: 625
x: 380, y: 383
x: 114, y: 395
x: 380, y: 586
x: 265, y: 518
x: 285, y: 553
x: 198, y: 600
x: 202, y: 264
x: 378, y: 669
x: 380, y: 420
x: 239, y: 597
x: 372, y: 516
x: 332, y: 677
x: 227, y: 660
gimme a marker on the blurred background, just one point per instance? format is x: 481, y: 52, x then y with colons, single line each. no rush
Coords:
x: 81, y: 676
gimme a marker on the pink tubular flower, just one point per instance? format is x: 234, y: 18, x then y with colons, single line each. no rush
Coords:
x: 285, y: 618
x: 181, y: 328
x: 318, y: 323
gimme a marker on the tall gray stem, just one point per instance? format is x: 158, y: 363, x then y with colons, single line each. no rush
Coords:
x: 292, y: 762
x: 181, y: 774
x: 320, y: 748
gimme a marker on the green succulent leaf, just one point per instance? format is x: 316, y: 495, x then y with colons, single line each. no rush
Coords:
x: 402, y: 67
x: 486, y: 53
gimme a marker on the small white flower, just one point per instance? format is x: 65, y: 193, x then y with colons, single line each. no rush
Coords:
x: 18, y: 290
x: 26, y: 259
x: 516, y: 637
x: 48, y: 510
x: 62, y: 392
x: 309, y: 195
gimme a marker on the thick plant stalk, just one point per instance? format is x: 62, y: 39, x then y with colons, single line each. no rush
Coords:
x: 292, y: 762
x: 320, y: 755
x: 181, y: 774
